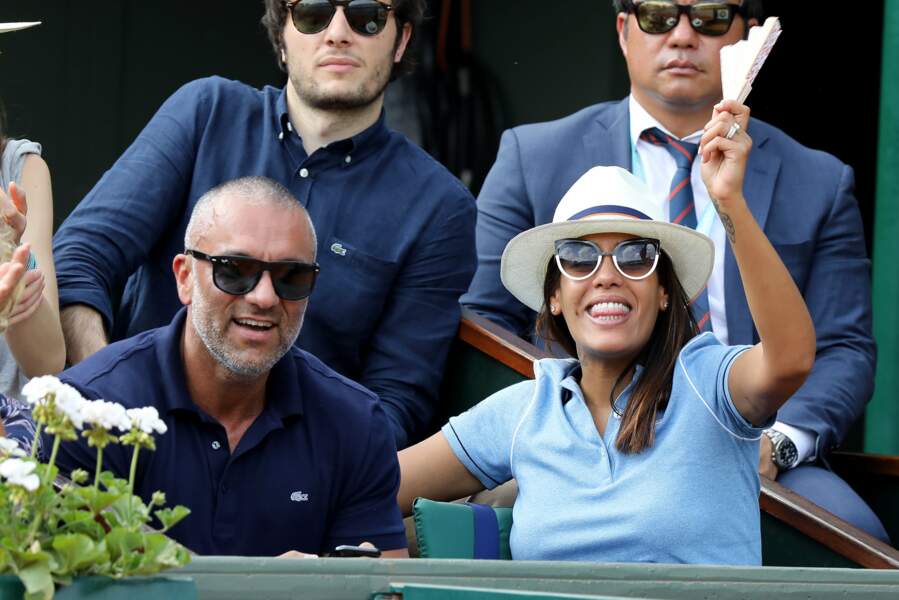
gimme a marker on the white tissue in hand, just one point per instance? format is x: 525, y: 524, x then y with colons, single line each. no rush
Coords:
x: 741, y: 62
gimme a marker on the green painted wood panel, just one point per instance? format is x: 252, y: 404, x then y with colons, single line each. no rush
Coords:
x: 882, y: 422
x: 235, y: 578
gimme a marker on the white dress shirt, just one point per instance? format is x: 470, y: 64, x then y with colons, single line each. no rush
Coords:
x: 655, y: 166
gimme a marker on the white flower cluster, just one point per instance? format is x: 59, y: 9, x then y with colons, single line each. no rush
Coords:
x: 97, y: 413
x: 20, y: 472
x: 105, y: 415
x: 9, y: 447
x: 68, y: 401
x: 146, y: 419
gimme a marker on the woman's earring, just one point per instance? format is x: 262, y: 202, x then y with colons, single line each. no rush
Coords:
x: 664, y: 305
x: 554, y: 309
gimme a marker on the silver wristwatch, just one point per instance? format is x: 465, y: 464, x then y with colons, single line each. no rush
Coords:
x: 785, y: 455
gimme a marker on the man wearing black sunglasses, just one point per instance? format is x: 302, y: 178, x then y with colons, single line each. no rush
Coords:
x: 803, y: 199
x: 273, y: 451
x: 396, y: 229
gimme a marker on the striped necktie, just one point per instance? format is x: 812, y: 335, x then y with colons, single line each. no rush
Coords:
x: 681, y: 209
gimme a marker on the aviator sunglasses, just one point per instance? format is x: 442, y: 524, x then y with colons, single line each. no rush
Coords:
x: 238, y: 275
x: 707, y: 18
x: 366, y: 17
x: 580, y: 259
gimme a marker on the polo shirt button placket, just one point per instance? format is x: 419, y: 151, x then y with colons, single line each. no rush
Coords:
x: 216, y: 445
x: 304, y: 173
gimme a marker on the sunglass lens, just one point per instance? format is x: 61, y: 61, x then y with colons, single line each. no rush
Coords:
x: 293, y: 281
x: 577, y: 259
x: 712, y: 18
x: 312, y: 16
x: 636, y: 259
x: 366, y: 16
x: 236, y: 276
x: 657, y: 17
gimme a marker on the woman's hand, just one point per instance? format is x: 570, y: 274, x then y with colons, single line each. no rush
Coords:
x: 14, y: 208
x: 11, y: 272
x: 30, y: 298
x: 723, y: 163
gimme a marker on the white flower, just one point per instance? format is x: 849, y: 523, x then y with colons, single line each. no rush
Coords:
x: 146, y: 419
x: 20, y: 472
x: 38, y: 388
x: 10, y: 447
x: 70, y: 403
x: 105, y: 415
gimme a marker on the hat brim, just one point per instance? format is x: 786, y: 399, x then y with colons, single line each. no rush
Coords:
x: 7, y: 27
x: 525, y: 259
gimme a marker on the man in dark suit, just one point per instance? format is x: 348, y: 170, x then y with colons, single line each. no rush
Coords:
x: 802, y: 198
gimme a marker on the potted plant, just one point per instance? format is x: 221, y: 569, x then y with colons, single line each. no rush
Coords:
x: 90, y: 530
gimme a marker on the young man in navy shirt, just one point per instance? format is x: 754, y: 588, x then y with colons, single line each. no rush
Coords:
x: 396, y: 229
x: 272, y: 451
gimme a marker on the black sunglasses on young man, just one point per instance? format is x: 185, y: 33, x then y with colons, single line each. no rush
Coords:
x: 707, y: 18
x: 238, y: 275
x: 635, y: 259
x: 366, y: 17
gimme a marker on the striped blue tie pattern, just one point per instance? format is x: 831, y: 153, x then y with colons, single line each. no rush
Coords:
x: 681, y: 209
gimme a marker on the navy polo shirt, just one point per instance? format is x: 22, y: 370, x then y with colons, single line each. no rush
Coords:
x: 316, y: 469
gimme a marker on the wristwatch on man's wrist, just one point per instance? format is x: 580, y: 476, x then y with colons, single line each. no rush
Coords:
x: 785, y: 455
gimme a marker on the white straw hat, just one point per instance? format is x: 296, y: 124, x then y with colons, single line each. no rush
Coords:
x: 604, y: 200
x: 7, y: 27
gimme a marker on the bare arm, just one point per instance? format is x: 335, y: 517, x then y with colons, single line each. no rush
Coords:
x: 82, y: 327
x: 34, y: 335
x: 431, y: 470
x: 764, y: 377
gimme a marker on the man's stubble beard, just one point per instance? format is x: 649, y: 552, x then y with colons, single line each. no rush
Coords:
x: 309, y: 92
x: 213, y: 337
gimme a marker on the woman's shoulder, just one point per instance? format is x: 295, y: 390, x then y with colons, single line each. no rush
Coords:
x: 15, y: 151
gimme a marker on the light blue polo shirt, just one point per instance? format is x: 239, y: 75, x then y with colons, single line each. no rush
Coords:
x: 690, y: 498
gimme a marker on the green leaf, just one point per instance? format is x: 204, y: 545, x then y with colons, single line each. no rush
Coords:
x: 76, y: 552
x: 37, y: 580
x: 170, y: 516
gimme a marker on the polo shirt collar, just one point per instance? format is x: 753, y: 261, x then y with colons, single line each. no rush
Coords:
x: 569, y: 377
x: 358, y: 145
x: 283, y: 397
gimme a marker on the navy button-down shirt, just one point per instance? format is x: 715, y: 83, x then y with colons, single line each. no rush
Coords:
x: 395, y: 236
x: 316, y: 469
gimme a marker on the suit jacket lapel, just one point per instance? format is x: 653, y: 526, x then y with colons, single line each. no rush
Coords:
x: 761, y: 176
x: 608, y: 142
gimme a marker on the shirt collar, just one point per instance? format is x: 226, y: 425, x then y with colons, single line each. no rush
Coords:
x: 358, y: 145
x: 283, y: 398
x: 641, y: 120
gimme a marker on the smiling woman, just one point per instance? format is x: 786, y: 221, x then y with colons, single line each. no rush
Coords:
x: 643, y: 448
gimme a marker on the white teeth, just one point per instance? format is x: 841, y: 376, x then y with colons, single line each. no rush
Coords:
x: 253, y: 323
x: 601, y: 309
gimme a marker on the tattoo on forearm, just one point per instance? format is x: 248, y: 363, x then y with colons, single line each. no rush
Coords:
x: 726, y: 221
x: 728, y: 227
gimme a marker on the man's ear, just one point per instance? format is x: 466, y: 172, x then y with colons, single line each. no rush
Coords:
x: 181, y: 266
x: 621, y: 28
x: 402, y: 43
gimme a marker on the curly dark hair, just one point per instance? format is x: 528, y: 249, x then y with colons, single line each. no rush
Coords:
x: 753, y: 8
x: 405, y: 11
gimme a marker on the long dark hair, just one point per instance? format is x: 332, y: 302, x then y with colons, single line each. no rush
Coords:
x: 674, y: 327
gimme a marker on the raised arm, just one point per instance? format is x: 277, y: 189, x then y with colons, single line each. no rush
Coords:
x: 34, y: 335
x: 764, y: 377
